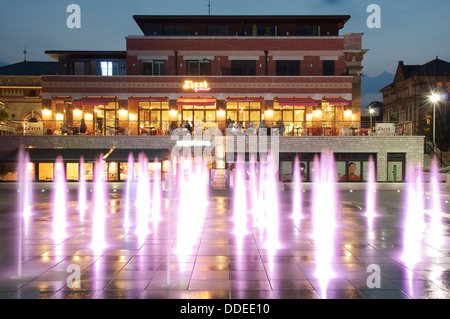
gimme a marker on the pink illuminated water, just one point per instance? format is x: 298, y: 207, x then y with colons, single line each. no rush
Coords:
x: 143, y: 204
x: 60, y: 201
x: 370, y: 193
x: 324, y: 199
x: 130, y: 191
x: 192, y: 206
x: 271, y: 205
x: 414, y: 218
x: 156, y: 199
x: 436, y: 237
x: 297, y: 193
x: 82, y: 190
x: 240, y: 208
x: 99, y: 214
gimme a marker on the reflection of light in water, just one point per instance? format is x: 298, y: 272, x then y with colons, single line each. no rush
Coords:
x: 129, y: 195
x: 239, y: 205
x: 142, y: 199
x: 156, y: 198
x: 414, y: 218
x: 260, y: 209
x: 192, y: 207
x: 27, y: 196
x: 297, y: 193
x: 60, y: 202
x: 370, y: 194
x: 324, y: 209
x: 253, y: 192
x: 82, y: 198
x: 271, y: 205
x: 98, y: 223
x: 414, y: 222
x: 435, y: 238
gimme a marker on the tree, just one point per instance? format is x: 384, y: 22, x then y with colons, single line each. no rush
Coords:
x: 4, y: 116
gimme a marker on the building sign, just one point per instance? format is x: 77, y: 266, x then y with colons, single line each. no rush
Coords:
x: 385, y: 129
x: 196, y: 86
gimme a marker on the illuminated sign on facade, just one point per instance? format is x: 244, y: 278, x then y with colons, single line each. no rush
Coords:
x: 196, y: 86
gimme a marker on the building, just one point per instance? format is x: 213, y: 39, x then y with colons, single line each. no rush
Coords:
x: 407, y: 98
x: 213, y: 71
x: 21, y: 95
x: 297, y: 69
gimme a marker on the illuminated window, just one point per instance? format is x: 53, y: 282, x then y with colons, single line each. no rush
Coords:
x: 107, y: 68
x: 72, y: 171
x: 45, y: 171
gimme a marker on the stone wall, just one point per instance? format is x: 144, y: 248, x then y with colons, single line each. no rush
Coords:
x: 411, y: 145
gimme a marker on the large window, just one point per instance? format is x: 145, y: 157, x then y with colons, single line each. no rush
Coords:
x: 288, y: 67
x: 153, y: 118
x: 202, y: 67
x: 353, y: 167
x: 328, y: 67
x: 153, y: 68
x: 243, y: 67
x: 217, y: 30
x: 244, y: 112
x: 99, y: 67
x: 396, y: 167
x: 310, y: 30
x: 175, y: 30
x: 293, y: 118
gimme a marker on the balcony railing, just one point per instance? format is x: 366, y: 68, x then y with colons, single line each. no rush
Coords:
x: 161, y: 128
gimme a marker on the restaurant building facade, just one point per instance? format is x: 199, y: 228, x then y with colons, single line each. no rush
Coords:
x: 220, y: 72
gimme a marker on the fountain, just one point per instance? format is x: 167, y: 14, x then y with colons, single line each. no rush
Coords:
x: 370, y: 194
x: 297, y: 193
x: 271, y: 205
x: 82, y: 191
x: 60, y: 201
x: 143, y: 205
x: 324, y: 209
x: 240, y: 208
x: 156, y: 199
x: 98, y: 219
x: 414, y: 218
x: 130, y: 191
x: 435, y: 239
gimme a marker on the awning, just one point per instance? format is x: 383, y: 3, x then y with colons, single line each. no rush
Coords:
x: 336, y: 101
x: 296, y: 101
x: 121, y: 155
x: 245, y: 99
x: 148, y: 99
x: 93, y: 101
x: 49, y: 155
x: 197, y: 101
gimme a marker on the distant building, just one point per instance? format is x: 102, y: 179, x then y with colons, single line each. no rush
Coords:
x: 407, y: 98
x: 21, y: 91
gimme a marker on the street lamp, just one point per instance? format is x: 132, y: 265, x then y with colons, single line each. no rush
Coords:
x: 371, y: 111
x: 435, y: 99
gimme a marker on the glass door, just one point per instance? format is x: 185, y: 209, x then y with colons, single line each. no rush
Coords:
x: 111, y: 122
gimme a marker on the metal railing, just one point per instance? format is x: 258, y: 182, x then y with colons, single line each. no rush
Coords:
x: 431, y: 148
x: 161, y: 128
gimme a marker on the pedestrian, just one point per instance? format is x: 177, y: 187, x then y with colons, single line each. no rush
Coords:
x: 83, y: 127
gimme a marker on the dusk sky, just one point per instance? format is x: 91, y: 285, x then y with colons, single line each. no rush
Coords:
x: 413, y: 31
